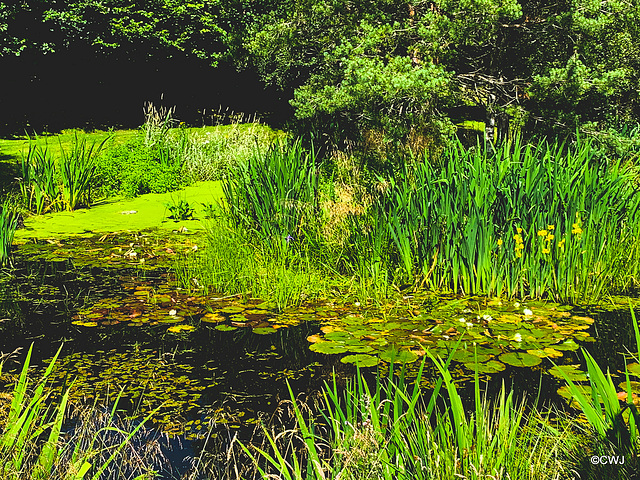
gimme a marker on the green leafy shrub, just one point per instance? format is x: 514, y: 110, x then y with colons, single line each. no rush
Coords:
x: 134, y: 169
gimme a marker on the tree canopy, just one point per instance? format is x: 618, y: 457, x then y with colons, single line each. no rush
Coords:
x: 397, y: 67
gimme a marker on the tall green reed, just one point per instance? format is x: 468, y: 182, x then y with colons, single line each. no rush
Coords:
x: 615, y: 421
x: 391, y: 432
x: 528, y: 220
x: 8, y: 225
x: 39, y: 180
x: 27, y: 452
x: 77, y: 169
x: 275, y: 193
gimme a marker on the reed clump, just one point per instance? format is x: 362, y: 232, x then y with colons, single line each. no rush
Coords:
x: 394, y: 430
x: 543, y: 220
x: 36, y: 441
x: 9, y: 217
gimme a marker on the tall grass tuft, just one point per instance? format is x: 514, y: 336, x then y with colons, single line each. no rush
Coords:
x: 39, y: 180
x: 77, y: 169
x: 275, y: 193
x: 31, y: 444
x: 391, y: 431
x: 8, y: 225
x: 235, y: 264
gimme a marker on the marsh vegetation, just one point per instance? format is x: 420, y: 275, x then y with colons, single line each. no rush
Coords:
x: 422, y: 264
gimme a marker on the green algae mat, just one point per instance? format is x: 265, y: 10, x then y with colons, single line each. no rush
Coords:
x: 121, y: 215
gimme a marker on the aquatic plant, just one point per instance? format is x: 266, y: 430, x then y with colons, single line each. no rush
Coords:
x: 276, y: 270
x: 39, y: 180
x: 393, y: 432
x: 27, y: 453
x: 528, y: 220
x: 180, y: 209
x: 77, y: 170
x: 8, y: 225
x: 275, y: 193
x: 611, y: 411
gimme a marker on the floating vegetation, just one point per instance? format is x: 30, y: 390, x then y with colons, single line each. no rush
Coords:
x: 143, y: 250
x: 143, y: 379
x: 491, y: 333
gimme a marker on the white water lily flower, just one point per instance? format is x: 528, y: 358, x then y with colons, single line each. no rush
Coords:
x: 487, y: 317
x: 527, y: 312
x: 469, y: 324
x: 462, y: 320
x: 357, y: 304
x: 172, y: 312
x: 517, y: 337
x: 516, y: 305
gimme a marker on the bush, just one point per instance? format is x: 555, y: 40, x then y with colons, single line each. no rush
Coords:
x: 134, y: 169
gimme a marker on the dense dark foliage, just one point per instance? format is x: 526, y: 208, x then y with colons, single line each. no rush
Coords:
x: 403, y: 70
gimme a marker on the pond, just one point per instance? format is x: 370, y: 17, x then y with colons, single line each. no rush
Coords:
x: 214, y: 364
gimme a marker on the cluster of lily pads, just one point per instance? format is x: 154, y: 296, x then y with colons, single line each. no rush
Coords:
x: 141, y: 378
x: 143, y: 250
x: 486, y: 334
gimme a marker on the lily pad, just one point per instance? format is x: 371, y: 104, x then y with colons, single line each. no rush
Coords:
x: 225, y: 328
x: 492, y: 366
x: 232, y: 309
x: 180, y: 328
x: 338, y: 336
x: 399, y: 356
x: 361, y: 360
x: 328, y: 348
x: 520, y: 359
x: 567, y: 345
x: 359, y: 348
x: 634, y: 369
x: 570, y: 371
x: 465, y: 356
x: 213, y: 318
x: 264, y: 330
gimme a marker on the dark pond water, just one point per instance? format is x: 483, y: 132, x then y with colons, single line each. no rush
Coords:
x: 219, y: 365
